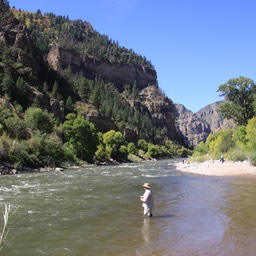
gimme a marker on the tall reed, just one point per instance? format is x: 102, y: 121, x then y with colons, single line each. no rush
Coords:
x: 4, y: 231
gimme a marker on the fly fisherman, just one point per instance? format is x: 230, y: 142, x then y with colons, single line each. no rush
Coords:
x: 147, y: 200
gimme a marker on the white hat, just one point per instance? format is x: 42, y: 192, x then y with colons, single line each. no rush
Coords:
x: 146, y: 185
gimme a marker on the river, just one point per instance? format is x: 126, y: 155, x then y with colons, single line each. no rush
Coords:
x: 96, y: 211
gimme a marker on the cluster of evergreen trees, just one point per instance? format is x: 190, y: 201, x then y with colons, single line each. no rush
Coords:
x: 49, y: 29
x: 38, y: 139
x: 31, y: 136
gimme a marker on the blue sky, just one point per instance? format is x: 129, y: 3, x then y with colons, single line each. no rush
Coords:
x: 194, y: 45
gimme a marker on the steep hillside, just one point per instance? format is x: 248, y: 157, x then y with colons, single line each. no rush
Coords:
x: 67, y: 66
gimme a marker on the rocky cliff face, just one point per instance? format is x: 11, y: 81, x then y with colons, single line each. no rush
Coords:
x: 151, y: 100
x: 118, y: 73
x: 161, y: 109
x: 16, y: 35
x: 175, y: 121
x: 195, y: 127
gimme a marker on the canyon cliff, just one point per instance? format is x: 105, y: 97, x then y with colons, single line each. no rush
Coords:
x: 72, y: 51
x: 195, y: 127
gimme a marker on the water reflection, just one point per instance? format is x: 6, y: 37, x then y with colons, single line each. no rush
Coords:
x: 146, y: 229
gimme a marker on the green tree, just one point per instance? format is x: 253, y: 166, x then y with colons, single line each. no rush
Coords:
x: 102, y: 154
x: 1, y: 129
x: 55, y: 90
x: 8, y: 85
x: 39, y: 119
x: 82, y: 136
x: 239, y: 94
x: 22, y: 91
x: 142, y: 144
x: 69, y: 105
x: 132, y: 148
x: 154, y: 151
x: 225, y: 141
x: 201, y: 149
x: 83, y: 88
x: 239, y: 135
x: 16, y: 128
x: 123, y: 151
x: 113, y: 141
x: 251, y: 134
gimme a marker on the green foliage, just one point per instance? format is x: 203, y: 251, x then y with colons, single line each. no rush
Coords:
x: 132, y: 148
x: 39, y: 119
x: 142, y: 144
x: 16, y: 128
x: 50, y: 29
x: 198, y: 159
x: 201, y: 149
x: 20, y: 157
x: 239, y: 96
x: 154, y: 151
x: 55, y: 90
x: 69, y: 153
x: 225, y: 141
x: 8, y: 85
x: 113, y: 141
x: 22, y: 91
x: 1, y: 129
x: 102, y: 154
x: 5, y: 144
x: 39, y: 150
x: 123, y: 151
x: 239, y: 135
x: 251, y: 134
x: 238, y: 153
x: 82, y: 135
x: 174, y: 150
x: 183, y: 152
x: 30, y: 135
x: 252, y: 158
x: 69, y: 106
x: 237, y: 145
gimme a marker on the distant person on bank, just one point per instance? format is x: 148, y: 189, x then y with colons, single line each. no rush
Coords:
x: 147, y: 200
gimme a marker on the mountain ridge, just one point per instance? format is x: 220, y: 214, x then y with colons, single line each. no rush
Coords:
x: 63, y: 60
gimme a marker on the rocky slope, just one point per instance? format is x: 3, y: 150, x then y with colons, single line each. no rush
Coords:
x: 44, y: 69
x: 195, y: 127
x: 175, y: 121
x: 120, y: 74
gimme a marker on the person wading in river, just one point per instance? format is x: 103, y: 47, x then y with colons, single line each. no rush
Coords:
x: 147, y: 200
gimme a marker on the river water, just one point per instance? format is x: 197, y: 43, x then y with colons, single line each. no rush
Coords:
x: 96, y: 211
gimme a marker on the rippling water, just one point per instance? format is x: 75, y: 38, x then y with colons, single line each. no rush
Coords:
x: 96, y: 211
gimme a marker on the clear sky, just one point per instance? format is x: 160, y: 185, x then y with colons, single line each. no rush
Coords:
x: 194, y: 45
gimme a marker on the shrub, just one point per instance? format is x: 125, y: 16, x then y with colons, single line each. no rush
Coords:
x: 20, y: 156
x: 1, y: 129
x: 39, y: 119
x: 199, y: 159
x: 132, y: 148
x: 16, y: 128
x: 5, y: 144
x: 252, y: 158
x: 102, y: 154
x: 237, y: 154
x: 201, y: 149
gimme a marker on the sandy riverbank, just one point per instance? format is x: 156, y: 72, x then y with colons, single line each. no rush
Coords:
x: 215, y: 168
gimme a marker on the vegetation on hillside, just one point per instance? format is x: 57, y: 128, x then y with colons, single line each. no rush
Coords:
x: 238, y: 144
x: 32, y: 136
x: 49, y: 30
